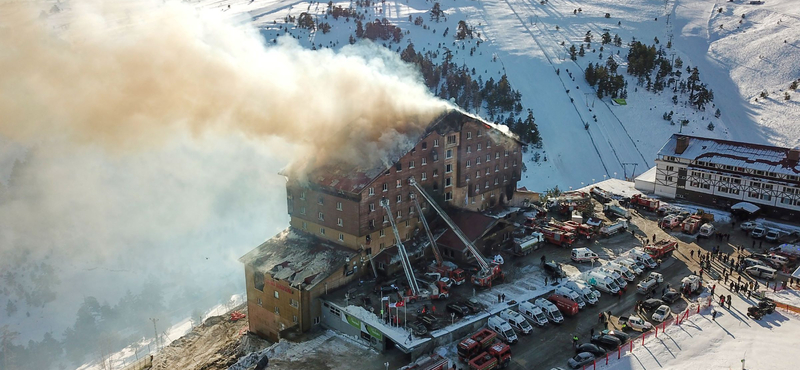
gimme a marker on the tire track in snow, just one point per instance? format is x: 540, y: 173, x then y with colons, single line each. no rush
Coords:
x: 572, y: 101
x: 608, y: 108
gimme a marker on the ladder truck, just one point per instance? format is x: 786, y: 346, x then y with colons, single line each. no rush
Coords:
x: 488, y: 273
x: 404, y: 261
x: 448, y: 270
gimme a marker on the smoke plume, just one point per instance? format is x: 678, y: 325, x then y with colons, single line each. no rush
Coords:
x: 142, y: 138
x: 129, y: 74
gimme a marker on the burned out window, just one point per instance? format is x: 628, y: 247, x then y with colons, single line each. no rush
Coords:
x: 258, y: 280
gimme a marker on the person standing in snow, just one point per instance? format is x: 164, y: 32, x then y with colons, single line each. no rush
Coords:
x: 714, y: 315
x: 729, y: 301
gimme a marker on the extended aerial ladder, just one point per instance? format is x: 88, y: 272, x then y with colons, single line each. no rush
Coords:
x: 487, y: 272
x: 412, y: 280
x: 450, y: 271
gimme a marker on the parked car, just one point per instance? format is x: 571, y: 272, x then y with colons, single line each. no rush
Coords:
x: 619, y: 334
x: 592, y: 348
x: 458, y: 308
x: 758, y: 232
x: 662, y: 313
x: 652, y: 303
x: 761, y: 272
x: 418, y: 328
x: 748, y: 262
x: 581, y: 359
x: 430, y: 322
x: 747, y: 226
x: 473, y: 305
x: 670, y: 296
x: 772, y: 235
x: 608, y: 342
x: 553, y: 269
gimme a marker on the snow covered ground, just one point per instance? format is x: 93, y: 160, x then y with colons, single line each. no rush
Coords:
x: 732, y: 341
x: 520, y: 38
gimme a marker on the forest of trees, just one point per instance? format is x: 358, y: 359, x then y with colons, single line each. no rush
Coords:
x: 449, y: 81
x: 99, y: 330
x: 379, y: 29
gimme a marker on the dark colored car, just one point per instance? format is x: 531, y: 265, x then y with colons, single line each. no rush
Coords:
x: 429, y: 321
x: 608, y: 342
x: 652, y: 303
x: 591, y: 348
x: 472, y: 304
x: 670, y: 296
x: 458, y: 308
x: 418, y: 328
x: 581, y: 359
x: 622, y: 336
x: 553, y: 269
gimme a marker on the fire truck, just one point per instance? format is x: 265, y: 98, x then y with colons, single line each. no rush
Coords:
x: 568, y: 202
x: 661, y: 248
x: 558, y: 237
x: 489, y: 270
x: 475, y: 344
x: 497, y: 356
x: 581, y: 229
x: 601, y: 195
x: 691, y: 225
x: 641, y: 201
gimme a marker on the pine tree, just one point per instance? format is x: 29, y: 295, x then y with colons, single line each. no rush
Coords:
x: 581, y: 52
x: 573, y: 52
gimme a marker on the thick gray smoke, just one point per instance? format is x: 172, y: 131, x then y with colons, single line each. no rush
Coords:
x: 130, y: 74
x: 143, y: 138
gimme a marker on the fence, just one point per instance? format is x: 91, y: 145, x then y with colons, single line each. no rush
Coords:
x: 626, y: 348
x: 141, y: 364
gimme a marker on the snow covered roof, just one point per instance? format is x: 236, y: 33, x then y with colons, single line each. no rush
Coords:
x: 648, y: 176
x: 733, y: 153
x: 354, y: 179
x: 300, y: 258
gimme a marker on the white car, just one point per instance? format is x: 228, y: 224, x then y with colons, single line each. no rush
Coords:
x: 662, y: 313
x: 747, y: 226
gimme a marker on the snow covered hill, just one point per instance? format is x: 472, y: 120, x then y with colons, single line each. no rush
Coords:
x: 747, y: 54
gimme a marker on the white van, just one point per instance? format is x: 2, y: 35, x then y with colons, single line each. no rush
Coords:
x: 516, y: 321
x: 631, y: 265
x: 761, y: 272
x: 781, y: 260
x: 566, y: 292
x: 642, y: 256
x: 533, y: 313
x: 584, y: 291
x: 623, y: 271
x: 583, y: 255
x: 706, y: 231
x: 613, y: 275
x: 601, y: 281
x: 503, y: 329
x: 550, y: 310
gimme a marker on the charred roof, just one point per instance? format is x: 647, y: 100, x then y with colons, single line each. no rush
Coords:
x: 300, y: 258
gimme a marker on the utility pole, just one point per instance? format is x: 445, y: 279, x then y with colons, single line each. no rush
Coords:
x: 155, y: 331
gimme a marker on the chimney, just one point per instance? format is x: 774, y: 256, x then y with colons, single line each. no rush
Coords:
x: 682, y: 144
x: 793, y: 155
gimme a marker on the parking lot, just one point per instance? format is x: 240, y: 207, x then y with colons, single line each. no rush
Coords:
x: 551, y: 345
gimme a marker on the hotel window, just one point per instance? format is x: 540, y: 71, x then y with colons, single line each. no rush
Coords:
x: 321, y: 216
x: 496, y: 155
x: 411, y: 164
x: 339, y: 222
x: 372, y: 207
x: 448, y: 182
x: 399, y: 183
x: 469, y: 163
x: 469, y: 149
x: 451, y: 139
x: 435, y: 143
x: 338, y: 206
x: 496, y: 181
x: 505, y: 165
x: 424, y: 161
x: 399, y: 213
x: 321, y: 200
x: 477, y: 161
x: 303, y: 195
x: 448, y: 154
x: 398, y: 166
x: 469, y: 135
x: 488, y: 144
x: 506, y: 153
x: 294, y: 318
x: 448, y: 168
x: 497, y: 168
x: 305, y: 226
x: 488, y: 158
x: 448, y: 196
x: 277, y: 311
x: 399, y: 198
x: 424, y: 145
x: 435, y: 173
x: 480, y: 132
x: 477, y: 174
x: 487, y: 185
x: 479, y: 147
x: 385, y: 187
x: 302, y: 210
x: 382, y: 233
x: 371, y: 191
x: 341, y: 237
x: 275, y: 293
x: 424, y: 176
x: 322, y: 230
